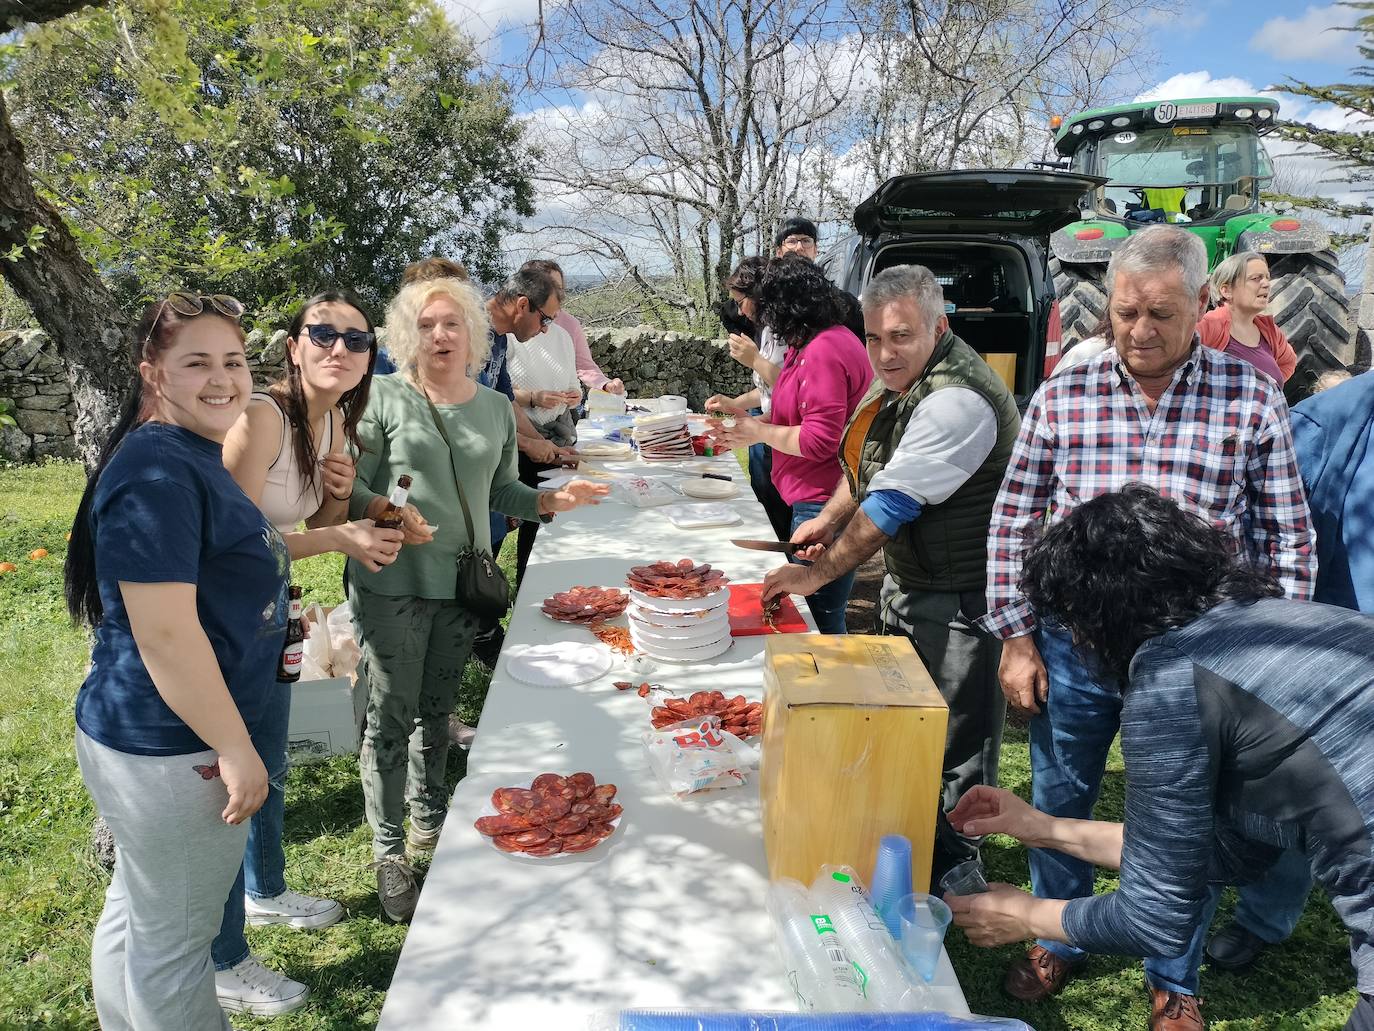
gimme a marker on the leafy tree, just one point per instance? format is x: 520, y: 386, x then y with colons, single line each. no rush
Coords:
x: 266, y: 148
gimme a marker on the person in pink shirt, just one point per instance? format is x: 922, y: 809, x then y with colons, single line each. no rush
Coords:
x: 825, y: 373
x: 588, y: 372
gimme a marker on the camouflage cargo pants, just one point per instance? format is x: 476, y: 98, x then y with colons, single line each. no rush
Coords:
x: 414, y: 651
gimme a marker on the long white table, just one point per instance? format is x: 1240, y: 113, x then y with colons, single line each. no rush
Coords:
x: 669, y: 912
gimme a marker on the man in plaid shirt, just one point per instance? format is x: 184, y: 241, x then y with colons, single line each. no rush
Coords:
x: 1201, y: 428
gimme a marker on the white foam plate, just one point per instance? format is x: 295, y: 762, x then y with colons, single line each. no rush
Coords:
x: 701, y: 630
x: 606, y: 452
x: 562, y: 664
x: 713, y: 489
x: 653, y: 617
x: 710, y: 601
x: 692, y: 517
x: 689, y: 655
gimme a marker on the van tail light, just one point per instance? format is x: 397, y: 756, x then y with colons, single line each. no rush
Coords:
x: 1053, y: 334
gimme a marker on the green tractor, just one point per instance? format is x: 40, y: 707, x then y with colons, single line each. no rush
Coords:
x: 1199, y: 164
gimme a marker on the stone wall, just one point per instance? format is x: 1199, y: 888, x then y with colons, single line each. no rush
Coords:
x: 652, y: 362
x: 32, y: 377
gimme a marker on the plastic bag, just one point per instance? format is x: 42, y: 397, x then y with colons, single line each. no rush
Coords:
x: 319, y: 650
x: 696, y: 755
x: 344, y: 646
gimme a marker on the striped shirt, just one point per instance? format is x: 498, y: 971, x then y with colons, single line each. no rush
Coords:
x: 1244, y: 733
x: 1218, y: 443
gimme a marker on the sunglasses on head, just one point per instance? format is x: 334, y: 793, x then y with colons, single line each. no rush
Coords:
x: 359, y: 341
x: 189, y: 305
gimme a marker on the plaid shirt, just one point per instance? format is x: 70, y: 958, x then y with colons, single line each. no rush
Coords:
x: 1218, y: 443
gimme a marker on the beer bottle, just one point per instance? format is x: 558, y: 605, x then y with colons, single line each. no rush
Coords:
x: 289, y: 667
x: 390, y: 517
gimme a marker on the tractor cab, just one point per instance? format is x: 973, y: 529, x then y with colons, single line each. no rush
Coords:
x: 1182, y: 162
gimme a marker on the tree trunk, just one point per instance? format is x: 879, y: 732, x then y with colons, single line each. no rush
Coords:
x: 92, y: 336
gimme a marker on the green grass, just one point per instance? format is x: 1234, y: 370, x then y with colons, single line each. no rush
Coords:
x: 51, y: 891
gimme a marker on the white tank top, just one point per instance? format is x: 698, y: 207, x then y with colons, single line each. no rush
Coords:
x: 287, y: 496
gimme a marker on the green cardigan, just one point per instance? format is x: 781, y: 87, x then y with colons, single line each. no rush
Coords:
x: 399, y: 436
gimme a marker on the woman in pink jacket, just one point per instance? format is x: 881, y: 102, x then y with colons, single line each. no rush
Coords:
x: 825, y: 373
x: 1240, y: 285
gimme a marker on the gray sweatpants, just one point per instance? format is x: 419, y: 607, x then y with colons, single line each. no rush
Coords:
x: 175, y: 861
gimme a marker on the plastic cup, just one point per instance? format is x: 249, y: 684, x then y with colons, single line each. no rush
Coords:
x: 924, y: 920
x: 891, y: 878
x: 965, y: 879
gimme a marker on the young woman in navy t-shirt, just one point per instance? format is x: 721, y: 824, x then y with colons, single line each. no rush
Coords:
x: 185, y: 584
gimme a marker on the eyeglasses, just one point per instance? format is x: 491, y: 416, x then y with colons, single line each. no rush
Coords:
x: 799, y: 241
x: 359, y: 341
x: 544, y: 320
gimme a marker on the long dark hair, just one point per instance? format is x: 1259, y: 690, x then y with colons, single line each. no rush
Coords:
x: 745, y: 278
x: 1127, y: 566
x: 156, y: 330
x: 290, y: 393
x: 796, y: 301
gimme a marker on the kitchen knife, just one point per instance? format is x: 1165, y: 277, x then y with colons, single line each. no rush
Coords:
x: 784, y: 547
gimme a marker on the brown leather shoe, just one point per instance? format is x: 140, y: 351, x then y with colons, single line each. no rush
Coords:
x: 1174, y: 1011
x: 1038, y: 975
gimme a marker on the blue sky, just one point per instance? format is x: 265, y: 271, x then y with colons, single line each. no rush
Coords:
x: 1260, y: 41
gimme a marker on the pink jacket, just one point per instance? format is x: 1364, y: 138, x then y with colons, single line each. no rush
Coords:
x: 1215, y: 330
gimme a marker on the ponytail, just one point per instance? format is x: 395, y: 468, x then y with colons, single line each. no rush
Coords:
x: 82, y: 589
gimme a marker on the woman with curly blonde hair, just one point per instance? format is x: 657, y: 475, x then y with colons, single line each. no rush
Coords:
x: 415, y: 634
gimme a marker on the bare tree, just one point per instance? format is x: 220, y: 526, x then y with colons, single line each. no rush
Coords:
x: 974, y: 82
x: 682, y: 131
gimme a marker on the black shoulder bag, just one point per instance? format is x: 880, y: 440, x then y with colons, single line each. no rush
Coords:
x: 481, y: 585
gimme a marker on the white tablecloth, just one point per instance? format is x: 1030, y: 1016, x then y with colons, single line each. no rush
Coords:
x: 669, y: 911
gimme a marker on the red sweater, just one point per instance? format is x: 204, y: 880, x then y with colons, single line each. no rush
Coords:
x: 1215, y: 330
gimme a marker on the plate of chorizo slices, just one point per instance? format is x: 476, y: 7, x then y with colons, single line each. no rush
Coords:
x: 555, y: 815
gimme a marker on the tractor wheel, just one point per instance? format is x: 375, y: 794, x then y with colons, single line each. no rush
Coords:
x: 1082, y: 294
x: 1307, y: 299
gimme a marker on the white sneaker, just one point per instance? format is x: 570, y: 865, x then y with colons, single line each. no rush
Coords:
x: 293, y: 909
x: 250, y: 987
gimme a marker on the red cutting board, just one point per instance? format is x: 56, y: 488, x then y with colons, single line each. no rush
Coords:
x: 746, y: 613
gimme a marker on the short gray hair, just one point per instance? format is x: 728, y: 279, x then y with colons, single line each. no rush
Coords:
x: 1232, y: 271
x: 533, y: 284
x: 901, y: 282
x: 1161, y: 249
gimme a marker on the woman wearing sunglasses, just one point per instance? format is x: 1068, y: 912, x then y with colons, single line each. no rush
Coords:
x: 184, y: 582
x: 288, y: 454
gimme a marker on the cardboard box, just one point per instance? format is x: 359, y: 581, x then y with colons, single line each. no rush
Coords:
x: 326, y: 718
x: 853, y: 748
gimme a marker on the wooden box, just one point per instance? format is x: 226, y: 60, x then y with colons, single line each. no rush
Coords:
x: 853, y: 747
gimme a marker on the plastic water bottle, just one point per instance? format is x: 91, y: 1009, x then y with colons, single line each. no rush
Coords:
x: 839, y: 891
x: 818, y: 967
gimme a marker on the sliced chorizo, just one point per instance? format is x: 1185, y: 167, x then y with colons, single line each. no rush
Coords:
x: 583, y: 784
x: 514, y: 800
x: 506, y: 823
x: 570, y: 824
x: 552, y: 847
x: 603, y: 793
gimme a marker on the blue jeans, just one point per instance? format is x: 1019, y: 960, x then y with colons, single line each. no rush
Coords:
x: 828, y: 603
x: 498, y: 531
x: 263, y: 871
x: 1271, y: 906
x: 1069, y: 741
x: 761, y: 480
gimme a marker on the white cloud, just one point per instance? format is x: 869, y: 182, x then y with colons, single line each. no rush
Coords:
x: 1199, y: 84
x: 1315, y: 36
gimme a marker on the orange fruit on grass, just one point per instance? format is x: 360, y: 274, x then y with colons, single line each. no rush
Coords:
x: 38, y: 553
x: 8, y: 567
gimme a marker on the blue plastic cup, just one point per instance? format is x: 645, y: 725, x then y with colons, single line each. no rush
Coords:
x: 924, y: 919
x: 891, y: 879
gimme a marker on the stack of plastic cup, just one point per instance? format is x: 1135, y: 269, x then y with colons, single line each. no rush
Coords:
x: 839, y: 892
x: 891, y: 879
x: 924, y: 922
x: 818, y: 968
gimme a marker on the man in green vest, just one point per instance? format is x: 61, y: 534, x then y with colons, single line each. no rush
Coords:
x: 922, y: 459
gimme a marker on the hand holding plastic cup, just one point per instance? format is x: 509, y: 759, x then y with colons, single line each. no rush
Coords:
x: 924, y: 919
x: 965, y: 879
